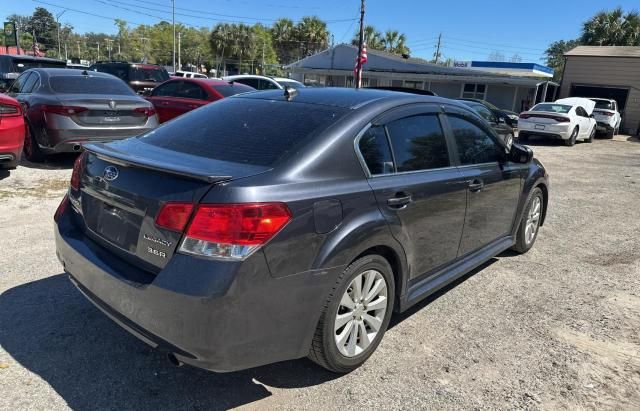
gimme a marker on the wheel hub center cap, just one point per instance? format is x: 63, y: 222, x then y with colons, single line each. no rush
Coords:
x: 358, y: 311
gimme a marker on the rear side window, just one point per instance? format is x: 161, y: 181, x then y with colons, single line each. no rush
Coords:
x: 19, y: 83
x: 231, y: 89
x: 418, y: 143
x: 31, y: 82
x: 251, y: 82
x: 157, y: 75
x: 375, y: 151
x: 168, y: 89
x: 89, y: 85
x: 248, y: 131
x: 475, y: 146
x: 192, y: 91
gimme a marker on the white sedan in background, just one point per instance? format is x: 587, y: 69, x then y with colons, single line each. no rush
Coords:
x: 569, y: 119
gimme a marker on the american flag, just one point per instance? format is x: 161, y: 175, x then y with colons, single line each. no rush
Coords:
x: 360, y: 60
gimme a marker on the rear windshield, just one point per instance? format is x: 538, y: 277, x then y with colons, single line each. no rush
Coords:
x: 555, y: 108
x: 227, y: 90
x: 159, y: 75
x: 20, y: 65
x: 89, y: 85
x: 248, y: 131
x: 603, y: 104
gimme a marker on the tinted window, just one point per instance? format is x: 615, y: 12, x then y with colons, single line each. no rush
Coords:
x: 20, y: 65
x: 475, y: 146
x: 227, y: 90
x: 30, y: 83
x: 267, y: 85
x: 250, y: 131
x: 119, y: 70
x: 607, y: 105
x: 251, y: 82
x: 581, y: 112
x: 556, y: 108
x: 17, y: 85
x: 169, y: 89
x: 375, y: 150
x: 192, y: 91
x: 89, y: 85
x: 156, y: 74
x: 483, y: 111
x: 418, y: 143
x: 290, y: 83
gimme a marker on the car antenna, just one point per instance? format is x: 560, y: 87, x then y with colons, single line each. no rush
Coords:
x: 290, y: 93
x: 85, y: 73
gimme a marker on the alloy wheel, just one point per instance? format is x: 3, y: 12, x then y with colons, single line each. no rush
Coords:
x: 361, y: 312
x: 533, y: 220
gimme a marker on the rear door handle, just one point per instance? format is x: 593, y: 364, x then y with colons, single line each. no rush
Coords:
x: 399, y: 202
x: 475, y: 185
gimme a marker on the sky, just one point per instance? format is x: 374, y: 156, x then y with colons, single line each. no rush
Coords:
x: 470, y: 29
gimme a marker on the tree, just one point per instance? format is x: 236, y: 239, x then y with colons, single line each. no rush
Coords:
x: 612, y: 28
x: 395, y: 42
x: 313, y: 35
x: 372, y: 38
x: 283, y: 35
x: 45, y: 27
x: 555, y: 55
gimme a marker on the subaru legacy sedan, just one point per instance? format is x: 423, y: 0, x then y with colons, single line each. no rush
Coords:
x: 282, y: 224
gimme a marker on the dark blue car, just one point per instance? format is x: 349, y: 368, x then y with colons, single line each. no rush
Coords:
x: 277, y: 225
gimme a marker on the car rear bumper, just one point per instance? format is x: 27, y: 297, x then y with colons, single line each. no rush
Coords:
x: 12, y: 133
x: 61, y: 141
x: 214, y: 315
x: 528, y: 133
x: 604, y: 126
x: 562, y: 131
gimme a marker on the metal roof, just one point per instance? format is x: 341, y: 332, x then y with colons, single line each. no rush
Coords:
x: 605, y: 51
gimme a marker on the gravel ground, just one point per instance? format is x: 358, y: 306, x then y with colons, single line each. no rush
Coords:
x: 555, y: 328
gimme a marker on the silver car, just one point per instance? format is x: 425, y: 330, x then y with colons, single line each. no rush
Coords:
x: 66, y: 108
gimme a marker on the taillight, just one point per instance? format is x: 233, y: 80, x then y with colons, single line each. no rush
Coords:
x: 63, y: 110
x: 61, y: 207
x: 8, y: 110
x: 145, y: 111
x: 233, y: 231
x: 525, y: 116
x: 561, y: 119
x: 174, y: 216
x: 78, y: 169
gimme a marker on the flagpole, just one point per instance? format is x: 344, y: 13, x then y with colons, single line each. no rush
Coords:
x: 360, y: 44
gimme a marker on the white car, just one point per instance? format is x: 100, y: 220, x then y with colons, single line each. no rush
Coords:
x: 569, y: 119
x: 264, y: 82
x: 189, y: 74
x: 607, y: 116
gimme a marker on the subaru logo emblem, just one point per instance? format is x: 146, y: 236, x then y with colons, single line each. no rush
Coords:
x: 112, y: 105
x: 110, y: 173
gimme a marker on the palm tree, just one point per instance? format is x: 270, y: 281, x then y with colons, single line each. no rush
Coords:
x: 312, y: 34
x: 612, y: 28
x: 283, y: 33
x: 372, y: 38
x: 395, y: 42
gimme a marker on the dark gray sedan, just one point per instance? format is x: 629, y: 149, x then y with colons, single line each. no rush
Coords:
x: 66, y: 108
x: 275, y: 225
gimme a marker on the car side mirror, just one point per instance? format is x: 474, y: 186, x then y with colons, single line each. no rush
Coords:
x: 520, y: 154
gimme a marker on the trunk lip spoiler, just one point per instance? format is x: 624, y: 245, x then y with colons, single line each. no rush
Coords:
x: 124, y: 159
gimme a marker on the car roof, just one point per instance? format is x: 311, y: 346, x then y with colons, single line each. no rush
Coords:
x: 283, y: 79
x: 70, y: 72
x: 202, y: 80
x: 602, y: 99
x: 26, y: 57
x: 235, y: 76
x: 343, y: 97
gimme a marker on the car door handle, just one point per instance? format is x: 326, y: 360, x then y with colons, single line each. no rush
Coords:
x: 475, y: 185
x: 399, y: 202
x: 193, y: 106
x: 164, y: 103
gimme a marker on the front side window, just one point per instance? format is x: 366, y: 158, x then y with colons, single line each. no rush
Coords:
x: 474, y: 145
x: 418, y: 143
x: 375, y: 151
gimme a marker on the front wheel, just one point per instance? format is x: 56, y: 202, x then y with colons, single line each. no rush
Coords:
x: 530, y: 224
x: 355, y: 316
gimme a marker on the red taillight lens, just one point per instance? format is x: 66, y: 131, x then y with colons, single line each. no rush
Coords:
x: 145, y: 111
x: 8, y: 110
x: 238, y: 224
x: 174, y: 216
x: 61, y: 208
x: 562, y: 119
x: 524, y: 116
x: 63, y: 110
x: 78, y: 169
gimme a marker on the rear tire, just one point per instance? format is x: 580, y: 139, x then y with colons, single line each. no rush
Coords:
x: 355, y: 316
x: 610, y: 134
x: 572, y: 140
x: 31, y: 149
x: 530, y: 223
x: 591, y: 136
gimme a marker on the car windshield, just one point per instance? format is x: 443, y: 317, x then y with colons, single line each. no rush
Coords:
x: 89, y: 85
x: 556, y: 108
x: 21, y: 65
x: 604, y: 104
x: 249, y: 131
x: 227, y: 90
x: 155, y: 74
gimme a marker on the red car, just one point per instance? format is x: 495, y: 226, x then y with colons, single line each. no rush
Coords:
x: 179, y: 95
x: 11, y: 132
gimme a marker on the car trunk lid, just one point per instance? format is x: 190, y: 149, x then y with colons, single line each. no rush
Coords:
x: 124, y: 186
x: 103, y: 112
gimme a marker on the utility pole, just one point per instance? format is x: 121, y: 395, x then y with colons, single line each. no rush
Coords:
x: 179, y: 53
x: 109, y: 41
x: 143, y: 49
x: 438, y: 47
x: 58, y: 25
x: 173, y: 4
x: 360, y: 44
x: 78, y: 43
x: 98, y: 56
x: 66, y: 55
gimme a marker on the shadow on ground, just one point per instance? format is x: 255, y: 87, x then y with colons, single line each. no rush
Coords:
x: 92, y: 363
x: 52, y: 162
x: 4, y: 174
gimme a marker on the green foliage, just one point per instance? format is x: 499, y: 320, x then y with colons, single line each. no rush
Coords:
x: 612, y: 28
x: 555, y: 55
x: 392, y: 41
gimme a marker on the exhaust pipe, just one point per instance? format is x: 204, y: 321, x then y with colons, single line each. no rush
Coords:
x: 174, y: 361
x: 77, y: 147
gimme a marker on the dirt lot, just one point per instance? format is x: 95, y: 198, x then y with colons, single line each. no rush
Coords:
x: 555, y: 328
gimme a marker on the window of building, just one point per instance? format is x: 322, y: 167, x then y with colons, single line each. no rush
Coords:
x: 418, y: 143
x: 413, y: 84
x: 472, y: 90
